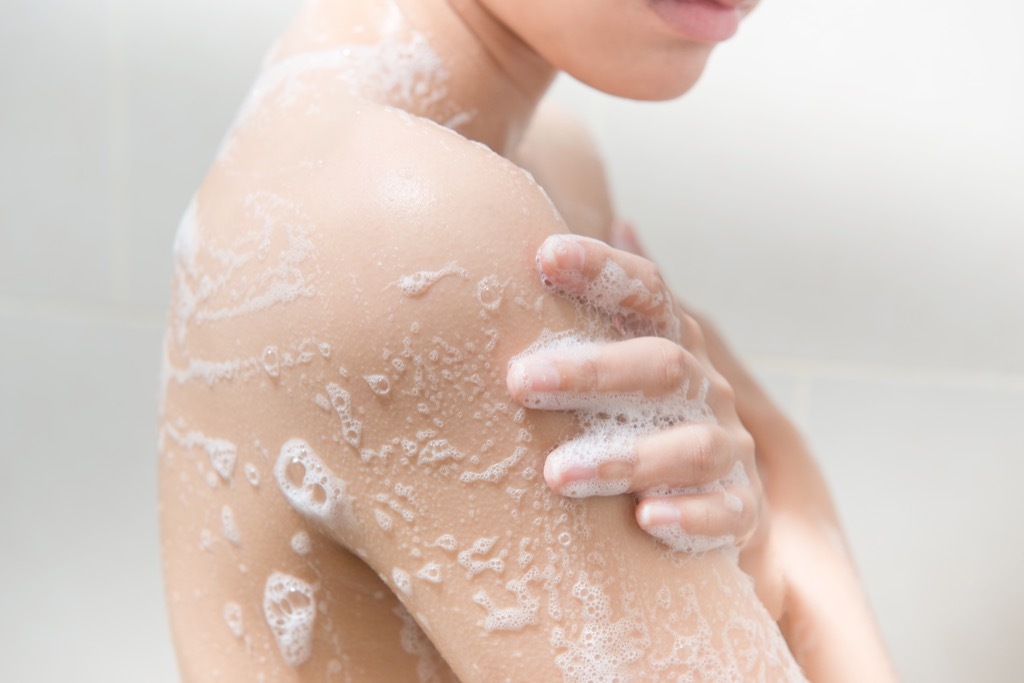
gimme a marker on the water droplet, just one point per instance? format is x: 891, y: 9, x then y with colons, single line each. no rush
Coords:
x: 271, y: 361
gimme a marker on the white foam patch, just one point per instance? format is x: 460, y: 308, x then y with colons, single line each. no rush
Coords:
x: 310, y: 487
x: 301, y: 543
x: 351, y: 428
x: 446, y: 542
x: 418, y: 283
x: 516, y: 618
x: 490, y: 291
x: 400, y: 67
x: 252, y: 475
x: 497, y: 471
x: 290, y: 610
x: 680, y: 541
x: 430, y: 572
x: 230, y: 528
x: 604, y: 647
x: 233, y: 619
x: 384, y: 520
x: 436, y: 451
x: 223, y: 454
x: 482, y: 546
x: 379, y: 384
x: 402, y: 580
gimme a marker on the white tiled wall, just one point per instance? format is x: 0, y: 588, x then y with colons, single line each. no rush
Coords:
x: 844, y: 193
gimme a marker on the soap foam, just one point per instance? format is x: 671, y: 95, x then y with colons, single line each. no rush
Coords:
x: 604, y: 648
x: 230, y: 528
x: 233, y: 619
x: 402, y: 580
x: 301, y: 543
x: 418, y: 283
x: 482, y: 546
x: 511, y: 618
x: 310, y: 487
x: 351, y: 428
x: 610, y: 424
x: 290, y: 610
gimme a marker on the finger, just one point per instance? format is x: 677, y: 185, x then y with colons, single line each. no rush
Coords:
x: 680, y: 459
x: 614, y: 281
x: 690, y: 455
x: 700, y: 522
x: 650, y: 366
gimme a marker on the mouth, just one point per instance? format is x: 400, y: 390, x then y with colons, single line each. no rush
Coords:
x: 704, y: 21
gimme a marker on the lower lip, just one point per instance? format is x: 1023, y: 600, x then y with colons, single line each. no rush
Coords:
x: 704, y: 21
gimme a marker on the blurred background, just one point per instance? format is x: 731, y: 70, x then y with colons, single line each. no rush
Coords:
x: 843, y: 193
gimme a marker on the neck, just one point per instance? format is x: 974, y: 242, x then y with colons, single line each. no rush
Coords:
x: 450, y: 61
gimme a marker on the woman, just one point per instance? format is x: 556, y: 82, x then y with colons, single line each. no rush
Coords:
x: 356, y: 481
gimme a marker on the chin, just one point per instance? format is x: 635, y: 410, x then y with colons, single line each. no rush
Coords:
x: 665, y: 80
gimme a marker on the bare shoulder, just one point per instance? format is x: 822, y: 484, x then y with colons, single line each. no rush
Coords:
x: 346, y: 484
x: 562, y: 154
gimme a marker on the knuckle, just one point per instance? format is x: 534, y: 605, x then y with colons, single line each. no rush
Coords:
x: 590, y: 374
x: 672, y: 369
x: 695, y: 517
x: 705, y: 455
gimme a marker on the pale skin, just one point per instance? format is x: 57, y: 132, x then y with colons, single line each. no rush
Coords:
x: 319, y: 206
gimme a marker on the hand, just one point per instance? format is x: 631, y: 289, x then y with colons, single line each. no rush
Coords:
x: 672, y: 434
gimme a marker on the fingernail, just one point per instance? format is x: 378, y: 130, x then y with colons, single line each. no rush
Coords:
x: 535, y: 375
x: 562, y: 253
x: 657, y: 514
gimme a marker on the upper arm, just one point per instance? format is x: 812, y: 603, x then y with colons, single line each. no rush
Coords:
x: 383, y: 423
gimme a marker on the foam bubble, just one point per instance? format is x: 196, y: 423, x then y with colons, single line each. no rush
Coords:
x: 610, y: 424
x: 301, y: 543
x: 401, y: 580
x: 430, y: 572
x: 446, y: 542
x: 512, y: 618
x: 230, y: 528
x: 482, y: 546
x: 271, y: 361
x: 497, y: 471
x: 436, y: 451
x: 290, y: 610
x: 252, y: 475
x: 379, y: 384
x: 384, y: 520
x: 678, y: 540
x: 418, y: 283
x: 223, y: 455
x: 603, y: 648
x: 489, y: 292
x: 351, y: 428
x: 233, y: 619
x: 310, y: 487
